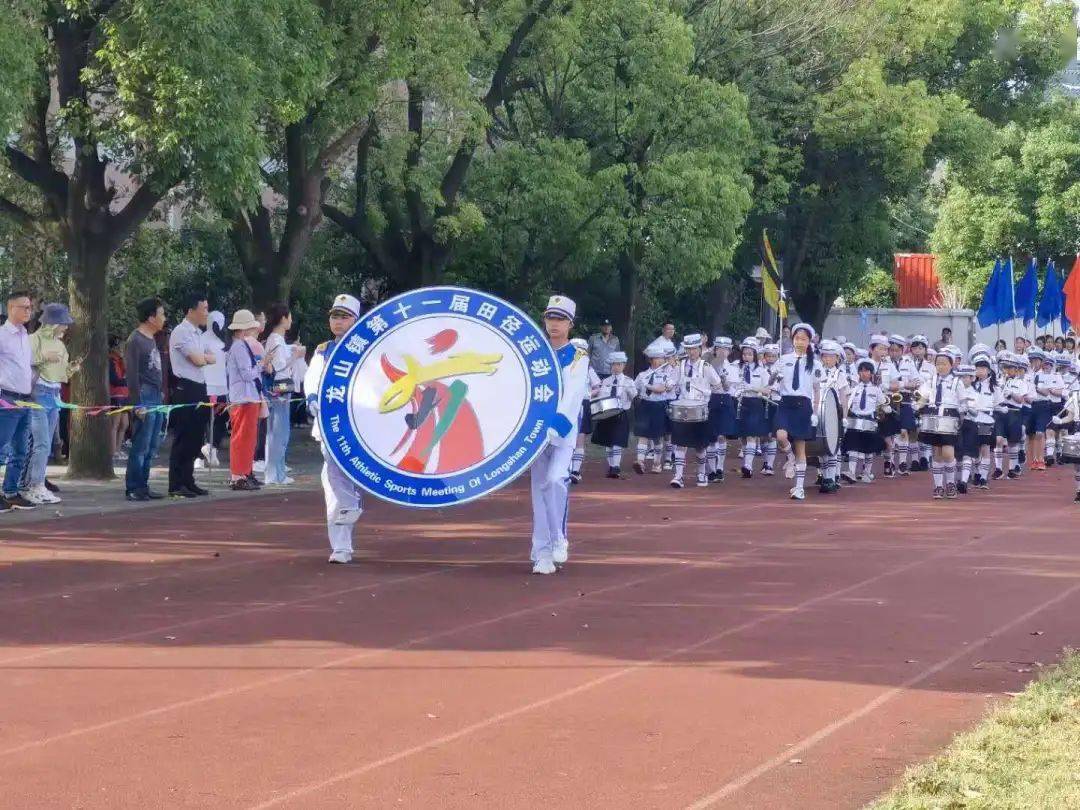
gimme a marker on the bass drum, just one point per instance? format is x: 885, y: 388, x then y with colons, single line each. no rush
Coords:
x: 1069, y: 449
x: 829, y: 429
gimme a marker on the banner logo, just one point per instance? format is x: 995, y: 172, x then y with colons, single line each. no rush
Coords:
x: 438, y: 397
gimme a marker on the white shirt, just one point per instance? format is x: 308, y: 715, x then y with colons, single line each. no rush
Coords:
x: 15, y: 360
x: 658, y: 377
x: 1013, y: 390
x: 808, y: 378
x: 864, y: 407
x: 186, y: 339
x: 952, y: 396
x: 740, y: 385
x: 575, y: 388
x: 979, y: 402
x: 216, y: 383
x: 697, y: 380
x: 620, y: 386
x: 281, y: 356
x: 1046, y: 385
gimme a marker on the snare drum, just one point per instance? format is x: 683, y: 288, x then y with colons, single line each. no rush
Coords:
x: 688, y: 410
x: 940, y: 425
x: 604, y: 407
x: 1069, y: 449
x: 856, y: 423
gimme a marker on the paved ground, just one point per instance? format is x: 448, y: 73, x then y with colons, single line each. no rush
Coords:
x: 721, y: 647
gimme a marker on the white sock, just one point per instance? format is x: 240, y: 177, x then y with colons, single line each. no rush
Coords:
x: 950, y: 472
x: 710, y: 459
x: 984, y: 468
x: 770, y: 453
x: 1051, y: 446
x: 800, y: 474
x: 614, y: 457
x: 748, y: 453
x: 1014, y: 456
x: 999, y: 458
x: 680, y: 461
x: 938, y: 470
x: 925, y: 451
x: 721, y: 455
x: 901, y: 452
x: 965, y: 469
x: 702, y: 463
x: 643, y: 451
x: 576, y: 459
x: 854, y: 457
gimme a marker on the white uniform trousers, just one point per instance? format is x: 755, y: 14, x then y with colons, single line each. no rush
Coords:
x: 550, y: 474
x: 344, y: 504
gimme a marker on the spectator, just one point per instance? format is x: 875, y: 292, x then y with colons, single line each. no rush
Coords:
x: 280, y: 358
x: 666, y: 340
x: 15, y: 384
x: 298, y: 408
x: 118, y: 394
x: 217, y: 388
x: 600, y: 348
x: 1070, y: 345
x: 1020, y: 344
x: 1040, y: 341
x: 188, y: 357
x: 145, y: 380
x: 1059, y: 344
x: 786, y: 346
x: 49, y: 357
x: 244, y: 371
x: 1000, y: 345
x: 260, y: 442
x: 946, y: 339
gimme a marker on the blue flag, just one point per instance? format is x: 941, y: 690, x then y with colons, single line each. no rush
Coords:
x: 1006, y: 306
x: 1050, y: 303
x: 988, y: 311
x: 1026, y: 293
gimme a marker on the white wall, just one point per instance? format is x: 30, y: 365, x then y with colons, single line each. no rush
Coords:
x: 858, y: 324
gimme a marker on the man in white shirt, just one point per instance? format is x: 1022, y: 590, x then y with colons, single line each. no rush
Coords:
x: 188, y: 355
x: 15, y: 384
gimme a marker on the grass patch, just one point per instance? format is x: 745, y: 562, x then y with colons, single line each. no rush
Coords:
x: 1024, y: 756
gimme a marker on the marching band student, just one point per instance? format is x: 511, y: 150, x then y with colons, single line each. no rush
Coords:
x: 924, y: 368
x: 1046, y: 388
x: 672, y: 359
x: 863, y: 443
x: 650, y: 415
x: 344, y: 504
x: 832, y: 376
x: 898, y: 375
x: 968, y: 447
x: 988, y: 393
x: 751, y: 380
x: 722, y: 415
x: 851, y: 354
x: 614, y: 432
x: 1008, y: 416
x: 550, y: 471
x: 1062, y: 366
x: 796, y: 421
x: 943, y: 395
x: 889, y: 423
x: 770, y: 356
x: 697, y: 380
x: 585, y: 421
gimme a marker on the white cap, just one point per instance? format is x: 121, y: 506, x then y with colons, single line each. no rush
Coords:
x: 722, y: 341
x: 692, y: 341
x: 762, y: 333
x: 879, y: 340
x: 655, y: 351
x: 347, y: 303
x: 811, y: 333
x: 771, y: 348
x: 898, y: 340
x: 919, y: 339
x: 830, y: 347
x: 750, y: 343
x: 865, y: 361
x: 617, y: 357
x: 562, y: 307
x: 840, y: 339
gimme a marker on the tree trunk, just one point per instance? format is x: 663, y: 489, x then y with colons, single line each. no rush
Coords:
x: 90, y: 452
x: 626, y: 311
x: 721, y: 302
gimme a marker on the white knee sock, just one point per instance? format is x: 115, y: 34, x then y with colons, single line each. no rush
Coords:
x: 643, y: 448
x: 1014, y: 456
x: 950, y: 472
x: 854, y: 457
x: 965, y: 469
x: 999, y: 458
x: 710, y: 459
x: 702, y: 462
x: 800, y: 474
x: 614, y: 456
x: 680, y: 461
x: 938, y: 470
x: 576, y: 460
x: 748, y: 454
x: 770, y: 453
x: 721, y: 454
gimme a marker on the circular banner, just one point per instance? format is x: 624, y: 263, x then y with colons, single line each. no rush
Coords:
x: 438, y: 397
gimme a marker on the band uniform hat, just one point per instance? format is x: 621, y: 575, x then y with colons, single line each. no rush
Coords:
x: 771, y: 348
x: 867, y: 363
x: 655, y: 351
x: 721, y: 341
x: 898, y: 340
x: 805, y: 327
x: 965, y: 371
x: 849, y: 345
x: 56, y: 315
x: 750, y: 343
x: 243, y: 319
x: 841, y: 339
x: 560, y: 306
x: 878, y: 340
x: 920, y: 340
x: 348, y: 304
x: 617, y: 357
x: 830, y: 347
x: 692, y: 341
x: 954, y: 353
x: 861, y: 354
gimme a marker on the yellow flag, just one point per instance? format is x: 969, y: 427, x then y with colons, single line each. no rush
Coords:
x: 772, y: 289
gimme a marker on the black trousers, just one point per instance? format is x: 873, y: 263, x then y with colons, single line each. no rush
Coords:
x: 189, y: 431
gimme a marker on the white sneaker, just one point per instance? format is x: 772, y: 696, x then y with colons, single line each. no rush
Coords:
x: 797, y: 494
x: 283, y: 483
x: 214, y: 460
x: 561, y: 553
x: 259, y: 466
x: 341, y: 557
x: 544, y: 565
x: 200, y: 463
x: 32, y: 496
x: 867, y: 478
x: 702, y: 481
x: 41, y: 494
x: 677, y: 483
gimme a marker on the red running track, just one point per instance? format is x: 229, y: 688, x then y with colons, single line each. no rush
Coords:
x: 706, y: 648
